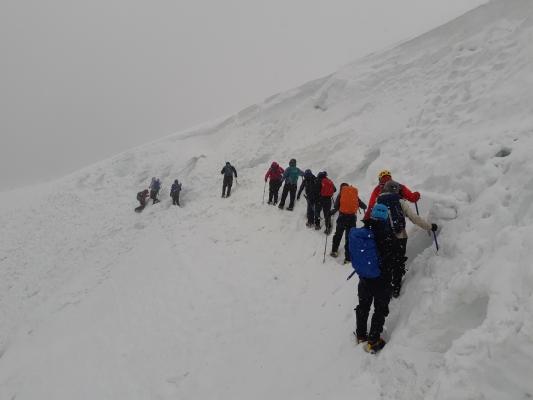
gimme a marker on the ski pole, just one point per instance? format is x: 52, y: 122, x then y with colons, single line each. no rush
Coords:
x: 352, y: 274
x: 416, y: 205
x: 436, y: 243
x: 325, y: 246
x: 264, y: 189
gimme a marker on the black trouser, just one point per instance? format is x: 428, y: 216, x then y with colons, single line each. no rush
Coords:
x: 312, y: 214
x: 288, y: 188
x: 143, y: 203
x: 273, y: 190
x: 375, y: 290
x: 153, y: 195
x: 345, y: 222
x: 176, y: 199
x: 228, y: 182
x: 324, y: 203
x: 398, y: 271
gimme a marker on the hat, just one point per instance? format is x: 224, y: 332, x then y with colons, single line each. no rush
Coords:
x: 392, y: 187
x: 380, y: 211
x: 292, y: 162
x: 308, y: 172
x: 274, y: 165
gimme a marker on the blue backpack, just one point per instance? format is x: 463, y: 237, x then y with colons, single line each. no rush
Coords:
x: 157, y: 185
x: 363, y: 253
x: 294, y: 174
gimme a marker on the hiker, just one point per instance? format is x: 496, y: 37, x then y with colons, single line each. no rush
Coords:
x: 347, y: 203
x: 290, y: 176
x: 141, y: 197
x: 175, y: 193
x: 326, y: 189
x: 384, y: 177
x: 155, y: 185
x: 275, y: 172
x: 310, y: 184
x: 228, y: 170
x: 374, y: 250
x: 398, y: 210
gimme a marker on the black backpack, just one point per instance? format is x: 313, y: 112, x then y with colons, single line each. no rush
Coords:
x: 228, y: 171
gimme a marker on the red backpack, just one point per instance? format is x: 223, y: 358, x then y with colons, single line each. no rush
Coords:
x: 327, y: 188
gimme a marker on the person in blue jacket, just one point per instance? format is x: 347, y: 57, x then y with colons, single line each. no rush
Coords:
x: 290, y: 177
x: 175, y: 193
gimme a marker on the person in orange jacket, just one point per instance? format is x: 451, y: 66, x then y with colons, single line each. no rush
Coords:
x: 384, y: 177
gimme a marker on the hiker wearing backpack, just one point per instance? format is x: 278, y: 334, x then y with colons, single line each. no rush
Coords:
x: 398, y: 210
x: 326, y: 189
x: 347, y: 203
x: 175, y: 193
x: 384, y: 177
x: 155, y: 186
x: 310, y: 184
x: 275, y: 172
x: 228, y: 171
x: 141, y: 197
x: 290, y: 177
x: 374, y: 251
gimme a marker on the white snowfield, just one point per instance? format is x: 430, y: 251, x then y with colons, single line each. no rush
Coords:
x: 230, y: 299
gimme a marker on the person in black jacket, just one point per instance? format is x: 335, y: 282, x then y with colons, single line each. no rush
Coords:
x: 345, y: 222
x: 228, y: 171
x: 310, y: 184
x: 377, y: 290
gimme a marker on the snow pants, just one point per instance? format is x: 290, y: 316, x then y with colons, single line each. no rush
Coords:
x: 377, y: 290
x: 345, y: 222
x: 153, y: 195
x: 398, y: 271
x: 288, y: 188
x: 312, y: 214
x: 273, y: 189
x: 227, y: 183
x: 176, y: 199
x: 324, y: 204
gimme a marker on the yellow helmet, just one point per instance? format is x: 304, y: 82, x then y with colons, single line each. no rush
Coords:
x: 384, y: 173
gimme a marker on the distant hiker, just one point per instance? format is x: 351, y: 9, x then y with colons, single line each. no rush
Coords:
x: 141, y: 197
x: 175, y: 193
x: 347, y: 203
x: 398, y: 210
x: 228, y: 171
x: 290, y: 176
x: 326, y: 189
x: 384, y: 177
x: 374, y: 249
x: 310, y: 184
x: 275, y: 172
x: 155, y: 185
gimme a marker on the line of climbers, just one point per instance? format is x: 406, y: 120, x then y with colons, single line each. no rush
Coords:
x: 154, y: 188
x: 379, y: 246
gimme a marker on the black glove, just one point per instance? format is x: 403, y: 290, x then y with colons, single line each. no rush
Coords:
x: 434, y: 227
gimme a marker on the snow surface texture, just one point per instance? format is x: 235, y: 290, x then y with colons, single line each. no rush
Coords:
x: 229, y: 298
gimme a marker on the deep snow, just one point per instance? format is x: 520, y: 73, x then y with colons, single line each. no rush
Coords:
x: 229, y: 298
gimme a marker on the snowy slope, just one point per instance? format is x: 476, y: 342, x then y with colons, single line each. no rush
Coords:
x: 230, y: 299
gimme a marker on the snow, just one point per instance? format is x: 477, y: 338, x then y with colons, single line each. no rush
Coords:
x: 230, y: 298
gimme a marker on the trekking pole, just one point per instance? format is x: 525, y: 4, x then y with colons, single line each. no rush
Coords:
x: 264, y: 189
x: 416, y: 205
x: 436, y: 243
x: 352, y: 274
x: 325, y: 246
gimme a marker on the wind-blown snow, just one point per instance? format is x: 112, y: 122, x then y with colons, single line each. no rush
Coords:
x: 230, y: 299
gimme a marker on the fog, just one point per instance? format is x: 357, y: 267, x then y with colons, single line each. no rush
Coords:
x: 83, y: 81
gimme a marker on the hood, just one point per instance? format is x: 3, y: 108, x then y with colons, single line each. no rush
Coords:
x: 385, y: 179
x: 176, y: 181
x: 274, y: 165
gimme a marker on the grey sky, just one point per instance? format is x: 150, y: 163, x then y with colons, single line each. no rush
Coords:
x: 83, y: 80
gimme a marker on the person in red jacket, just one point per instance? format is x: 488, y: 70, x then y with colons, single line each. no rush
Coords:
x: 275, y: 172
x: 384, y: 177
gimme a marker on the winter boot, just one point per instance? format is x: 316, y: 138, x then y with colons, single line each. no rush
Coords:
x: 347, y: 261
x: 269, y: 203
x: 334, y: 254
x: 327, y: 231
x: 374, y: 347
x: 395, y: 292
x: 309, y: 225
x: 361, y: 339
x: 289, y: 208
x: 317, y: 227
